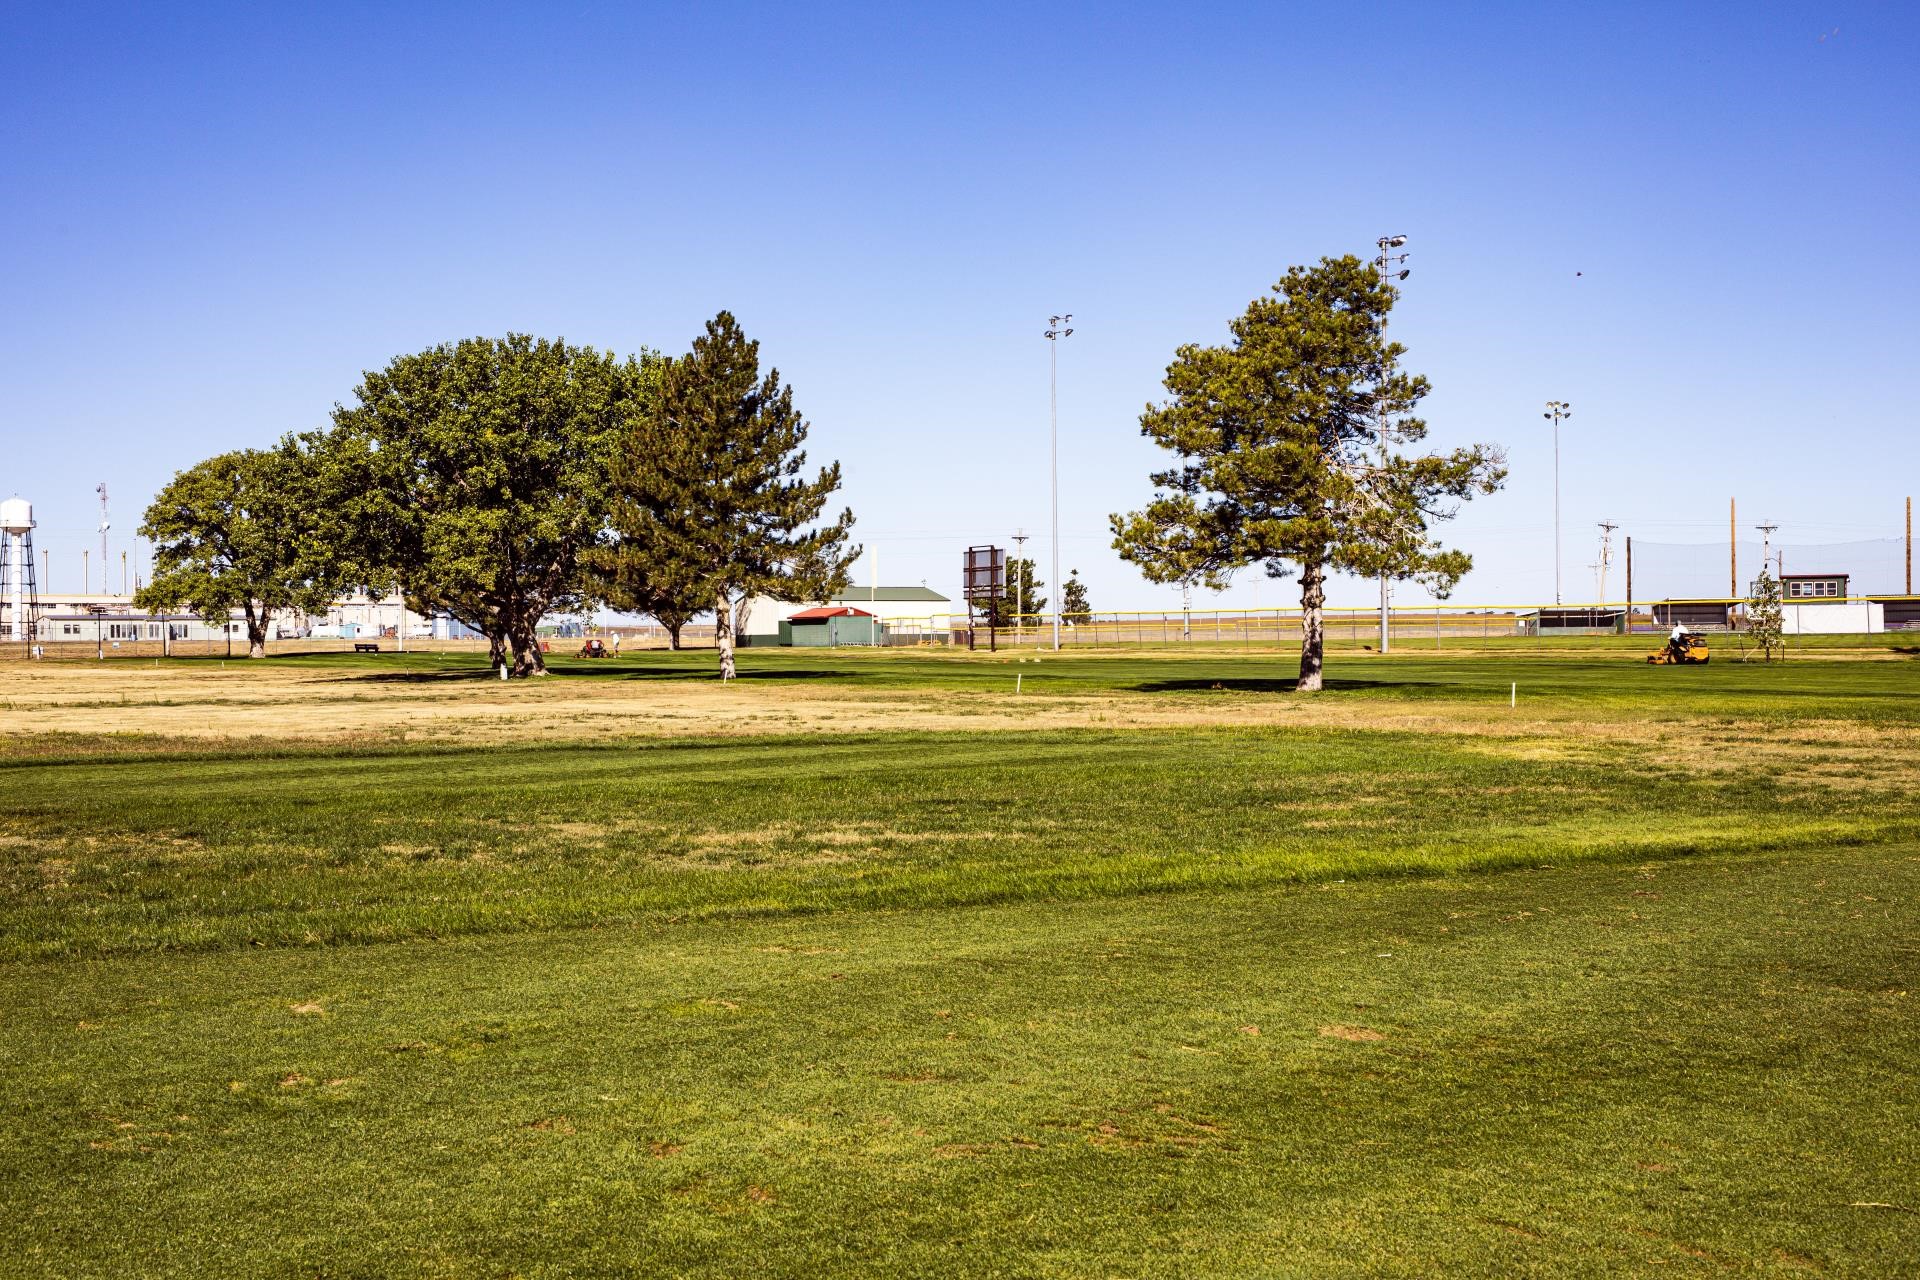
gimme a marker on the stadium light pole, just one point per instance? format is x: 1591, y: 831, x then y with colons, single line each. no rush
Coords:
x: 1384, y: 264
x: 1556, y: 410
x: 1056, y: 330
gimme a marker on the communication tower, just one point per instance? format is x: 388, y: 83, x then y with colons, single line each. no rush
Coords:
x: 106, y: 574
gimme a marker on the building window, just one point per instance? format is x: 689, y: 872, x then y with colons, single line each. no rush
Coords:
x: 1816, y: 589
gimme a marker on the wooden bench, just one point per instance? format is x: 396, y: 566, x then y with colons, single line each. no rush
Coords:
x: 366, y: 648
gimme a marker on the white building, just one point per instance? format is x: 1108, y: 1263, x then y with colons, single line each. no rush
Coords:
x: 1817, y: 604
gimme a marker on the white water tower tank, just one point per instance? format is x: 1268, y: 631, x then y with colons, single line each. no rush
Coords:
x: 16, y: 515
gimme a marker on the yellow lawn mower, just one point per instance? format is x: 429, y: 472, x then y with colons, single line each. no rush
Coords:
x: 1689, y: 648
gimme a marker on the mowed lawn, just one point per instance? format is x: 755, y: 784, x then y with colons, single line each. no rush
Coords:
x: 1135, y: 1001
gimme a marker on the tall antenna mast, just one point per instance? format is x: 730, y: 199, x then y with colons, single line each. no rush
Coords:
x: 106, y: 575
x: 1606, y: 555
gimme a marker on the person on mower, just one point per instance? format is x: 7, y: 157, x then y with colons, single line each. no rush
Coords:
x: 1677, y: 642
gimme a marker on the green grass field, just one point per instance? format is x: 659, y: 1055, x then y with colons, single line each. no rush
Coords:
x: 1614, y: 981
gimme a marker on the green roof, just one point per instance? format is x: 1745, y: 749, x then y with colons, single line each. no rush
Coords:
x: 896, y: 595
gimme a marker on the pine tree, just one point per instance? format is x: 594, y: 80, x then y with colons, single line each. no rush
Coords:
x: 1073, y: 599
x: 709, y: 487
x: 1024, y: 597
x: 628, y: 578
x: 1280, y: 465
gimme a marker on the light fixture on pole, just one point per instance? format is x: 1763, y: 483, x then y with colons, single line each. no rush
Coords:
x: 1056, y: 330
x: 1020, y: 576
x: 1556, y: 410
x: 1385, y: 264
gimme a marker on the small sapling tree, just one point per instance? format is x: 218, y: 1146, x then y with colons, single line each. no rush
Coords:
x: 1280, y: 463
x: 1765, y: 620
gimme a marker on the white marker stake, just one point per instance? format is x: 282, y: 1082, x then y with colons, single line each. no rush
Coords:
x: 1513, y: 695
x: 1017, y: 678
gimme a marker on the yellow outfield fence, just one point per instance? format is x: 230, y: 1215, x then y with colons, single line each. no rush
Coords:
x: 1425, y: 625
x: 1431, y: 623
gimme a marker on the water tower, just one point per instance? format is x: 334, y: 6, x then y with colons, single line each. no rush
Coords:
x: 18, y: 589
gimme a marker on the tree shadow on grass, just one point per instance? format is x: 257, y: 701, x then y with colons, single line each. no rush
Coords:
x: 682, y: 675
x: 1335, y: 684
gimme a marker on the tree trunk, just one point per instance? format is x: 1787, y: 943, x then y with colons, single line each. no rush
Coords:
x: 673, y: 635
x: 497, y: 649
x: 723, y: 636
x: 1313, y: 632
x: 257, y: 631
x: 527, y: 659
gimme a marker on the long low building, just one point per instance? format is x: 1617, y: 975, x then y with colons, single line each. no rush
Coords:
x: 71, y: 617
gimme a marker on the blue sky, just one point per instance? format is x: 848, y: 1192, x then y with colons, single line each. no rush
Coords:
x: 1696, y: 223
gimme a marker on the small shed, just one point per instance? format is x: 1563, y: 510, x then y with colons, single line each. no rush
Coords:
x: 831, y: 625
x: 1813, y: 588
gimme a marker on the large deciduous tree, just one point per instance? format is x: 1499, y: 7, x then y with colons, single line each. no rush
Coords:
x: 244, y: 531
x: 476, y: 475
x: 1281, y: 462
x: 711, y: 488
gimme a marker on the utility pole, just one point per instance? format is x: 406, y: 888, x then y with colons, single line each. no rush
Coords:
x: 1606, y: 555
x: 1557, y: 410
x: 1733, y: 552
x: 1766, y: 542
x: 1384, y: 265
x: 1909, y: 546
x: 1056, y: 330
